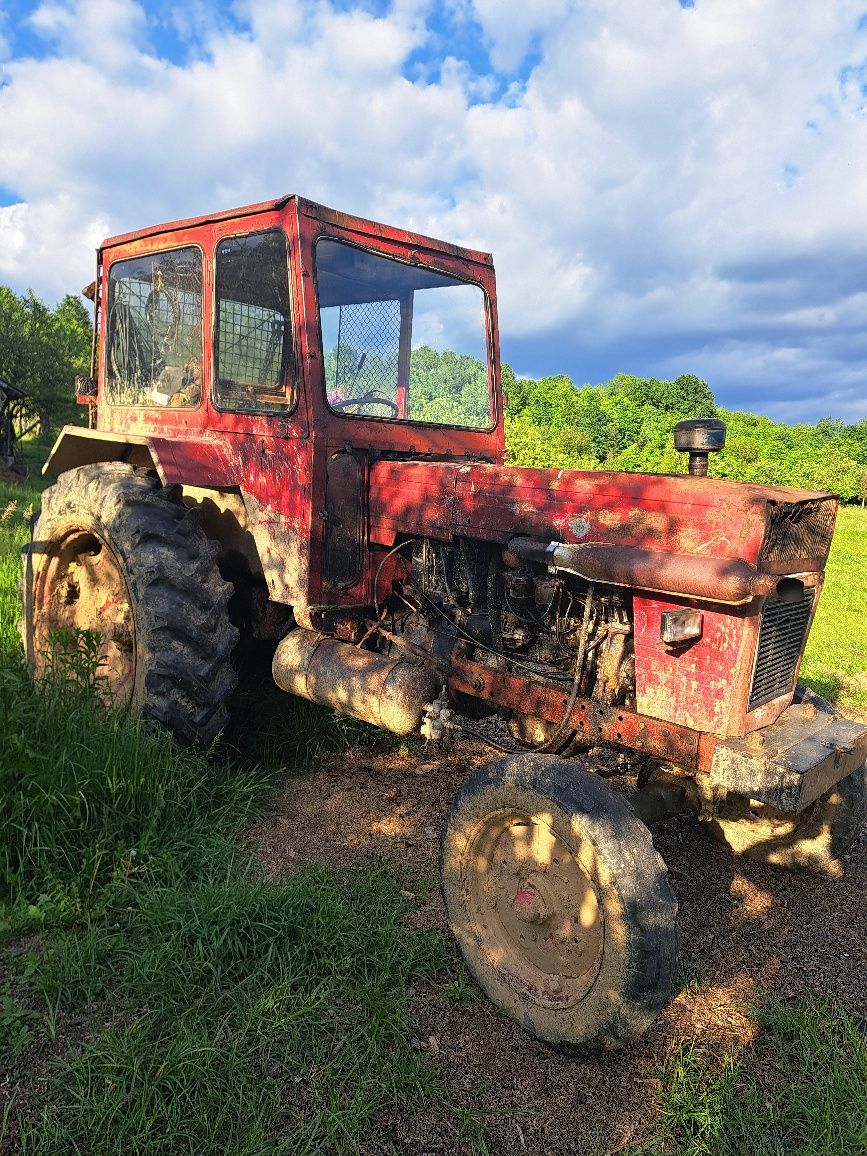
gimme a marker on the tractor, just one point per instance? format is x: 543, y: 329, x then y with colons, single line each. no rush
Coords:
x: 296, y: 438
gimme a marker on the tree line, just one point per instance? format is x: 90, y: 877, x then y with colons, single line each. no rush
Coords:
x: 626, y: 424
x: 623, y: 424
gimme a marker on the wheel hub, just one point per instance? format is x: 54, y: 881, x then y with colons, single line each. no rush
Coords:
x: 83, y: 589
x: 537, y: 907
x: 532, y: 902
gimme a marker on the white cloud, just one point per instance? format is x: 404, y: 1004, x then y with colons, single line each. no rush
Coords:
x: 681, y: 176
x: 511, y: 28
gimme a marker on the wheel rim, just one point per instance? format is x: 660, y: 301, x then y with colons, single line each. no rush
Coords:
x: 534, y: 907
x: 82, y: 587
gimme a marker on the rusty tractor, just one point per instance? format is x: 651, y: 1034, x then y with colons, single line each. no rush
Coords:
x: 296, y: 436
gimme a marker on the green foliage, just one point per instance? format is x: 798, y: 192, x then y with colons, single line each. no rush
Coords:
x: 17, y: 1027
x: 627, y: 424
x: 41, y: 352
x: 448, y: 388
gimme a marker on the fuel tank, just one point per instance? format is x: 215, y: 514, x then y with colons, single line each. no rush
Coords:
x: 388, y: 692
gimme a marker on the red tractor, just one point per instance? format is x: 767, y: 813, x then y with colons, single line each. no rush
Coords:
x: 297, y: 436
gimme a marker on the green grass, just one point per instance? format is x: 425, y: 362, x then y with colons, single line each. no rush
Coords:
x: 835, y: 662
x: 800, y: 1089
x: 233, y: 1015
x: 156, y: 993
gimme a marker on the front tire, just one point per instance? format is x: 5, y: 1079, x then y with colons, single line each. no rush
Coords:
x: 115, y: 553
x: 559, y: 902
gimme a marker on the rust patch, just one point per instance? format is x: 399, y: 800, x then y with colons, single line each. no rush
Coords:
x: 635, y: 524
x: 599, y: 724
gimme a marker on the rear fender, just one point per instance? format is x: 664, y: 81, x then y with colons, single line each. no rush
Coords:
x: 176, y: 461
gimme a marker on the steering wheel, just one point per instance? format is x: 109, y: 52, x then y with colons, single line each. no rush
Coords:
x: 366, y: 399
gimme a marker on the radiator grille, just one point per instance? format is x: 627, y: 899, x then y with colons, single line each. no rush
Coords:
x: 799, y: 530
x: 781, y: 640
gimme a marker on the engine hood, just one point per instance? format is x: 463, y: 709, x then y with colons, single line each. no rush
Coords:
x: 704, y: 517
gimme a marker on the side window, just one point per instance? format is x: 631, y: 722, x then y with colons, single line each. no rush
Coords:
x: 252, y: 339
x: 155, y: 329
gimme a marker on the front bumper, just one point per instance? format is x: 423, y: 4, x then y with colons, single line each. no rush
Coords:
x: 795, y: 760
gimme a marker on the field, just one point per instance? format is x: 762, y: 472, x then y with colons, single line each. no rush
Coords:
x: 245, y: 953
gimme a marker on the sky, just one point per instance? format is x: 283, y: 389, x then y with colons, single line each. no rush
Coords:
x: 667, y: 186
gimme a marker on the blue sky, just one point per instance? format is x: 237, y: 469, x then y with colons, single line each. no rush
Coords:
x: 666, y: 186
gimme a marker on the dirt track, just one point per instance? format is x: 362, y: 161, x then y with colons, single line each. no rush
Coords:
x: 744, y: 927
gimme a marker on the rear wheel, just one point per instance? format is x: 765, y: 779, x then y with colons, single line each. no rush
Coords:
x: 115, y: 553
x: 814, y: 840
x: 559, y: 902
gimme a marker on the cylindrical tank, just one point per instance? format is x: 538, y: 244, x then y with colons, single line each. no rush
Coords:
x: 388, y: 692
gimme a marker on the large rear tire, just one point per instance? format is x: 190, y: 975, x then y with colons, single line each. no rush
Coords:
x: 559, y: 902
x: 115, y: 553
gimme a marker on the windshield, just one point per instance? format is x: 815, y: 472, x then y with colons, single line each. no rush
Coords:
x: 401, y: 342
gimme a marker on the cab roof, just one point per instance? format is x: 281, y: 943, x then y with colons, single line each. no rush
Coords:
x: 310, y: 209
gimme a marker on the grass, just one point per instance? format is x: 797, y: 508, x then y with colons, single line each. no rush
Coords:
x: 233, y: 1015
x: 799, y: 1090
x: 158, y: 995
x: 835, y: 662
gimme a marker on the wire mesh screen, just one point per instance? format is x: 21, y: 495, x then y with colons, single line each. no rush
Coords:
x: 364, y: 360
x: 253, y: 369
x: 251, y: 343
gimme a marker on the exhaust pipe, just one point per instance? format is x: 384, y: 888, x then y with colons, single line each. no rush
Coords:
x: 389, y: 692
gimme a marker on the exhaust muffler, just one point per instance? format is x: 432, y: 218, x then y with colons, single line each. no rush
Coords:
x: 389, y: 692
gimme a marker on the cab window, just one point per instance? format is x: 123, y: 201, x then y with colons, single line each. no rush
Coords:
x: 252, y: 338
x: 154, y: 348
x: 401, y: 342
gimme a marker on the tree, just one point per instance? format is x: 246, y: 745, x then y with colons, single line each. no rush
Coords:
x: 41, y: 352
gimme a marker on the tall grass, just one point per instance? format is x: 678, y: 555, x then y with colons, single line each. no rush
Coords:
x: 835, y: 662
x: 89, y: 796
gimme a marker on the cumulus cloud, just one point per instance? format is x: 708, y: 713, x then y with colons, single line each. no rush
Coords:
x: 687, y: 182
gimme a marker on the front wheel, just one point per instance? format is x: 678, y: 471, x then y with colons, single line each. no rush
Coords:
x: 559, y: 902
x: 115, y: 554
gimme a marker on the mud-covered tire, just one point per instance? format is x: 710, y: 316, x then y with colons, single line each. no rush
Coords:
x: 814, y: 840
x: 559, y: 902
x: 115, y: 552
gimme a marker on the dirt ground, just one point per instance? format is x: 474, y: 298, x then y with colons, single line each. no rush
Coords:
x: 744, y: 927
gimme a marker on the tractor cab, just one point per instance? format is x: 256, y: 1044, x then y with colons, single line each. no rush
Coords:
x: 273, y: 354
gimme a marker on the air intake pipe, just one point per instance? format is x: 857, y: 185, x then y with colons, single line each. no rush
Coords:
x: 389, y: 692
